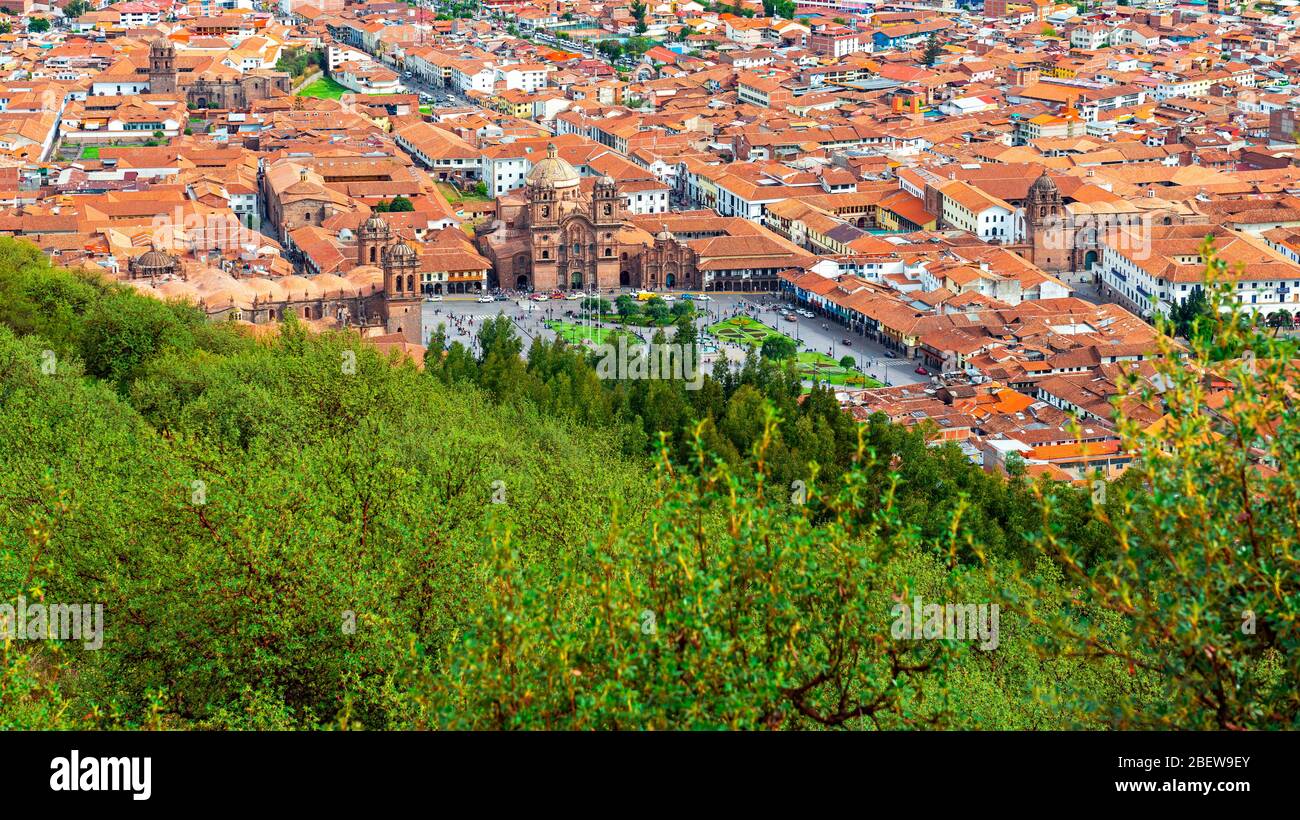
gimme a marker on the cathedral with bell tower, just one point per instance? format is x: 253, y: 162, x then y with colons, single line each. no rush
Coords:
x: 162, y: 67
x: 204, y: 83
x: 1046, y: 228
x: 400, y: 309
x: 560, y: 238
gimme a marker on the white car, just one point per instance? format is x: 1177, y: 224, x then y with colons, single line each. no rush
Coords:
x: 573, y: 297
x: 485, y: 298
x: 700, y: 297
x: 433, y: 297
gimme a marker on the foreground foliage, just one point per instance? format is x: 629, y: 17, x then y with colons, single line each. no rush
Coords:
x: 281, y: 540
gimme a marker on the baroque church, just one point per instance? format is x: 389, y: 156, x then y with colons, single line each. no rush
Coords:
x: 559, y: 237
x: 1063, y: 236
x: 559, y: 234
x: 207, y: 84
x: 399, y: 308
x: 380, y: 295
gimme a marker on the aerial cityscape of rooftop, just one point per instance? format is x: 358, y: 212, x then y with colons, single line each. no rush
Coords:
x: 1007, y: 292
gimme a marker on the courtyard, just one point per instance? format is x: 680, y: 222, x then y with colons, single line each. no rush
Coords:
x: 324, y: 88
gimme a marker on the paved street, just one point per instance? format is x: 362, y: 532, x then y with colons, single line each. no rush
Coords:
x: 463, y: 316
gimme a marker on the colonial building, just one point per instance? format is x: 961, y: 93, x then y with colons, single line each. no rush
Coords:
x: 1061, y: 235
x: 294, y: 196
x: 400, y: 309
x: 558, y: 237
x: 208, y: 84
x: 379, y: 296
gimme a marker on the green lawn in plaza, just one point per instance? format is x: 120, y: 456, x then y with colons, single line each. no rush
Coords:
x: 819, y: 367
x: 578, y: 334
x: 742, y: 330
x: 324, y: 88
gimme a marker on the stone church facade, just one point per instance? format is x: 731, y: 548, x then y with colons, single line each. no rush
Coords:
x: 1062, y: 238
x: 400, y: 309
x: 560, y: 238
x: 396, y: 306
x: 165, y: 77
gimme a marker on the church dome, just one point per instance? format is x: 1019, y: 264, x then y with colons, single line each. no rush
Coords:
x: 374, y: 225
x: 162, y: 44
x: 155, y: 261
x: 1043, y: 184
x: 400, y: 252
x: 553, y: 170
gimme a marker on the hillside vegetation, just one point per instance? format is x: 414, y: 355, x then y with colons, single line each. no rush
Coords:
x: 296, y: 532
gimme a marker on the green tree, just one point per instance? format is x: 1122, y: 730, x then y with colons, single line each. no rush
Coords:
x: 778, y: 348
x: 1204, y: 553
x: 933, y: 50
x: 657, y: 310
x: 1191, y: 312
x: 628, y: 306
